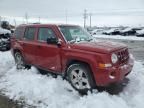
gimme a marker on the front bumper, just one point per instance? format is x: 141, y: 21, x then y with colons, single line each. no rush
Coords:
x: 115, y: 74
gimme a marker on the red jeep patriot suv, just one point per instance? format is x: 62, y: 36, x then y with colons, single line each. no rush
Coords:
x: 70, y: 51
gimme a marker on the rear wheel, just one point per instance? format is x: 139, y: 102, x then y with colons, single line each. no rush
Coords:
x: 20, y: 64
x: 80, y: 77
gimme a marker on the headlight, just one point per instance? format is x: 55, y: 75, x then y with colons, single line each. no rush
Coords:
x: 114, y: 58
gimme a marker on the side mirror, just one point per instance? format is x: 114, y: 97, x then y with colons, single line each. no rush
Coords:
x: 52, y: 40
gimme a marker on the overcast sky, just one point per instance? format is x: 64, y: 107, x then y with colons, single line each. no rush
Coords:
x: 55, y: 10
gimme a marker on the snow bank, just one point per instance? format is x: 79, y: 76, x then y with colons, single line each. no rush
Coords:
x: 6, y: 62
x: 120, y: 37
x: 4, y: 31
x: 47, y: 92
x: 134, y: 92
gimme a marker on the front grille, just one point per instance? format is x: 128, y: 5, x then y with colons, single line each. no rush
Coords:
x: 123, y: 56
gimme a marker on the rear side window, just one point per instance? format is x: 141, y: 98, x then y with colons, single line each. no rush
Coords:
x: 45, y: 33
x: 19, y: 32
x: 30, y: 33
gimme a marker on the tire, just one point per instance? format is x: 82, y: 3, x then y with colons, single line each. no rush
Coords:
x: 19, y: 61
x: 80, y: 77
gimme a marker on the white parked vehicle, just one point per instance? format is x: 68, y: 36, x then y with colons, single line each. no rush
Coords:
x: 4, y: 39
x: 140, y: 33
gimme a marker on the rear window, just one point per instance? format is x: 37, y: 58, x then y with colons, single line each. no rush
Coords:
x: 30, y: 33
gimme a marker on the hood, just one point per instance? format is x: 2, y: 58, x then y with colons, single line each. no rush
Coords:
x: 98, y: 46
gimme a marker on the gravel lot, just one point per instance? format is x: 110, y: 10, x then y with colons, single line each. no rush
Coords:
x: 7, y: 103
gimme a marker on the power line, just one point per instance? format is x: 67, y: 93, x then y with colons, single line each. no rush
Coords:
x: 65, y: 14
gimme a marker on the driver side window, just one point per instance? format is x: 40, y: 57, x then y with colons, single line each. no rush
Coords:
x: 45, y: 33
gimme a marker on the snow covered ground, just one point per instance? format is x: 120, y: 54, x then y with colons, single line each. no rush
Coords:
x: 120, y: 37
x: 47, y: 92
x: 4, y: 31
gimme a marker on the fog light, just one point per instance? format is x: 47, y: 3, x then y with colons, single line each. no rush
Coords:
x: 112, y: 75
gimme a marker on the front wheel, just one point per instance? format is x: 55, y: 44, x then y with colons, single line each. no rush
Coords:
x: 80, y: 77
x: 20, y: 61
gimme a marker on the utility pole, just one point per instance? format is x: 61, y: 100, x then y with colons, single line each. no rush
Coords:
x: 85, y: 17
x: 66, y: 16
x: 26, y: 17
x: 90, y: 18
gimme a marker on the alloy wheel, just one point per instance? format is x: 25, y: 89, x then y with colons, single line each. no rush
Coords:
x: 19, y: 61
x: 79, y: 79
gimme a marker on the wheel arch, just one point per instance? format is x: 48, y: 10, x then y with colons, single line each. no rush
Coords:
x: 27, y: 66
x: 76, y: 61
x: 16, y: 50
x: 72, y: 61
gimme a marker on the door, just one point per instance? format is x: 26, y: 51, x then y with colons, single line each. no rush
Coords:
x: 48, y: 55
x: 28, y: 45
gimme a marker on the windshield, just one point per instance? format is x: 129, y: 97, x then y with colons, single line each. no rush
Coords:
x: 75, y: 33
